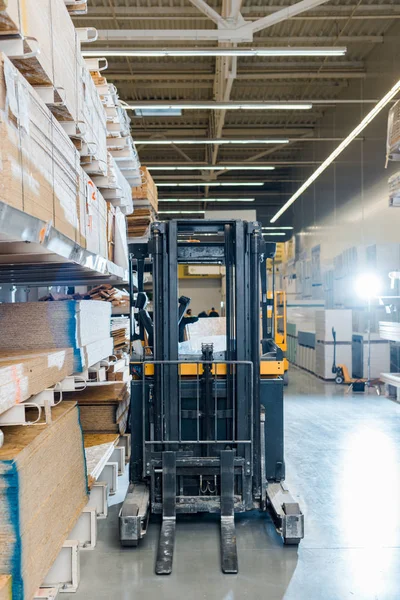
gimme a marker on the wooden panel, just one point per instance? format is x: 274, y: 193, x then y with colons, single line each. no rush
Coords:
x: 103, y: 408
x: 82, y: 325
x: 42, y: 493
x: 22, y: 375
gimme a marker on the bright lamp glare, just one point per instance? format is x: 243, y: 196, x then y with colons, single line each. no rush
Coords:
x: 368, y: 285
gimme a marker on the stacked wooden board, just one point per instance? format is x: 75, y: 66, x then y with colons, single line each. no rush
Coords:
x: 107, y: 293
x: 146, y: 195
x: 81, y: 325
x: 43, y: 490
x: 56, y: 69
x: 55, y: 66
x: 103, y: 408
x: 25, y: 373
x: 138, y: 224
x: 120, y: 331
x: 146, y: 207
x: 119, y: 141
x: 40, y: 166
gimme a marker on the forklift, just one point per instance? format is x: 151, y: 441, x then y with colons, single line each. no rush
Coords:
x: 207, y: 429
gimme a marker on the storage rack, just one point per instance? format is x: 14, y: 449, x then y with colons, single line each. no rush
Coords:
x: 33, y: 252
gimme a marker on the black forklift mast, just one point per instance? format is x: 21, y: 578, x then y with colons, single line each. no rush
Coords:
x: 207, y: 433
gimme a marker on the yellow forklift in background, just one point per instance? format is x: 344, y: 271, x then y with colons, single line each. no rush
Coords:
x: 276, y: 315
x: 275, y: 306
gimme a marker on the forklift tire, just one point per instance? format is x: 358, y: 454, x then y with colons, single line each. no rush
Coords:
x: 286, y: 378
x: 339, y: 379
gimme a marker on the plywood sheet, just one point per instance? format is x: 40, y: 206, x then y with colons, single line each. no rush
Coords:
x: 81, y: 325
x: 42, y: 493
x: 103, y: 408
x: 23, y: 374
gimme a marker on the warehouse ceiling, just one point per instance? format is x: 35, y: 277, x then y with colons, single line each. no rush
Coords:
x: 358, y: 25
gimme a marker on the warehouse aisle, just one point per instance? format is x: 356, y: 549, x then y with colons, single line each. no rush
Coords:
x: 343, y: 464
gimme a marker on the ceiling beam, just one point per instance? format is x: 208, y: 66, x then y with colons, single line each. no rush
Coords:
x: 282, y: 15
x: 209, y: 12
x: 224, y: 35
x: 337, y: 17
x: 250, y: 12
x: 227, y: 130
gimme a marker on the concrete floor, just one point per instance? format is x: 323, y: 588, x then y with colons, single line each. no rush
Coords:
x: 343, y: 465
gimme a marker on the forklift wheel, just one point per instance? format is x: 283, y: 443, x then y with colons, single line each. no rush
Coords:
x: 286, y: 378
x: 339, y: 379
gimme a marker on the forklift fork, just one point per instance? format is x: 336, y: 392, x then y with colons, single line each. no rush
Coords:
x: 166, y: 543
x: 229, y: 559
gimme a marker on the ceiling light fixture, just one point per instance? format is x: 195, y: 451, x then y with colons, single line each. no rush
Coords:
x: 246, y: 52
x: 277, y: 233
x: 206, y: 199
x: 366, y: 120
x: 181, y: 212
x: 219, y: 105
x: 158, y: 112
x: 213, y: 168
x: 274, y: 228
x: 212, y: 184
x: 216, y: 142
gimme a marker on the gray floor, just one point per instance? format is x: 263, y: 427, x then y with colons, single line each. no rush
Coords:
x: 343, y: 464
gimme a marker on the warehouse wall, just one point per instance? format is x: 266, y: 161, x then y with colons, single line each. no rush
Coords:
x: 348, y: 204
x: 205, y: 293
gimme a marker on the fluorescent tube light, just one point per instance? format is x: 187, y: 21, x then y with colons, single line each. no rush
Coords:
x: 214, y: 168
x: 221, y: 106
x: 181, y: 212
x: 278, y: 233
x: 274, y: 228
x: 206, y: 199
x: 366, y: 120
x: 247, y: 52
x: 211, y: 184
x: 158, y: 112
x: 216, y: 142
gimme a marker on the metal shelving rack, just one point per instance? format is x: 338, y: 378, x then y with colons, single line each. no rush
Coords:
x: 33, y: 252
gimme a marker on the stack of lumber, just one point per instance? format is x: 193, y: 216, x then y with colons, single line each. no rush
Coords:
x: 81, y: 325
x: 119, y: 140
x: 146, y: 194
x: 94, y: 212
x: 103, y: 408
x: 107, y: 293
x: 120, y: 332
x: 92, y: 142
x: 43, y: 490
x: 114, y: 186
x: 138, y: 224
x: 43, y: 174
x: 59, y: 70
x: 5, y: 587
x: 28, y: 372
x: 104, y: 293
x: 55, y: 66
x: 40, y: 166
